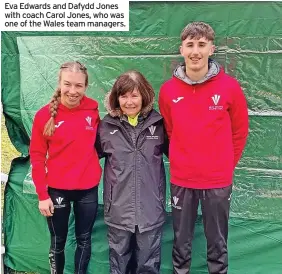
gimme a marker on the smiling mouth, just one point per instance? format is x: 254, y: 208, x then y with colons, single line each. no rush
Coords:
x: 195, y: 59
x: 73, y: 97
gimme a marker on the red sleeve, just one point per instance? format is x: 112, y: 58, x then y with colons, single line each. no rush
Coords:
x: 38, y: 152
x: 239, y: 122
x: 164, y: 106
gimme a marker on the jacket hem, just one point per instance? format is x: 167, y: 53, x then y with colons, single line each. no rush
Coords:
x: 133, y: 229
x: 201, y: 184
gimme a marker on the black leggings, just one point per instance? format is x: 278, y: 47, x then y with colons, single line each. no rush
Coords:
x: 85, y: 203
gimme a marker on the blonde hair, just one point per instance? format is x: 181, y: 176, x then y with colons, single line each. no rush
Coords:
x: 49, y: 127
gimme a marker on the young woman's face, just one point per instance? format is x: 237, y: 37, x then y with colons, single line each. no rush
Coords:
x: 130, y: 103
x: 73, y: 88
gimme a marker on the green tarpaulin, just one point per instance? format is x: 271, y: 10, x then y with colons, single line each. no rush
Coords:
x: 249, y: 46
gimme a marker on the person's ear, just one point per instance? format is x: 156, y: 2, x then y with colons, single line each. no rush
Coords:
x: 212, y: 50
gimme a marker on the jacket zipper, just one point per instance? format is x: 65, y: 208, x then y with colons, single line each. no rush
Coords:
x: 136, y: 191
x: 135, y: 172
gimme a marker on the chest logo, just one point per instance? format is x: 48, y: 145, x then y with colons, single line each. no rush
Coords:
x: 215, y: 100
x: 177, y: 99
x: 152, y: 130
x: 89, y: 121
x: 113, y: 132
x: 59, y: 123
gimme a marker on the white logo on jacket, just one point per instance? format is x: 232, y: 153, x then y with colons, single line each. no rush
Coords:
x: 89, y: 120
x: 152, y: 130
x: 59, y: 123
x: 175, y: 201
x: 215, y: 100
x: 114, y: 131
x: 177, y: 100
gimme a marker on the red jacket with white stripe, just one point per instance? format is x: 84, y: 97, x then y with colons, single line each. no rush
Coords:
x: 67, y: 160
x: 207, y: 124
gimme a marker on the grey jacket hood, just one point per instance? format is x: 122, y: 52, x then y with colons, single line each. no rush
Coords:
x: 118, y: 113
x: 180, y: 73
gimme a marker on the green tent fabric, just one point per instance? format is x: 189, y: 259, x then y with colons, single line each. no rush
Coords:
x: 249, y: 43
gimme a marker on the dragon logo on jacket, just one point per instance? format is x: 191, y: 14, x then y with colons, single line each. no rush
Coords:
x: 215, y: 100
x: 152, y: 130
x: 89, y: 120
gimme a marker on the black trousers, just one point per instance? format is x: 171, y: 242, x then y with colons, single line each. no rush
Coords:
x: 215, y: 205
x: 85, y: 204
x: 134, y: 253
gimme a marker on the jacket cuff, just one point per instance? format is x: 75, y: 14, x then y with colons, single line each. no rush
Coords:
x: 43, y: 196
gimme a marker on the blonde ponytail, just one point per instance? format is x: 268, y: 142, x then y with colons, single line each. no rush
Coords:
x: 49, y: 127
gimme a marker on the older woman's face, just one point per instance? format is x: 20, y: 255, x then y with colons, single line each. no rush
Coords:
x: 130, y: 103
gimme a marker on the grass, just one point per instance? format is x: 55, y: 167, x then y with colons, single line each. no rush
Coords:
x: 8, y: 153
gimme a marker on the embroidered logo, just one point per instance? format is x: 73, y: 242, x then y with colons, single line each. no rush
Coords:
x: 215, y: 100
x: 59, y: 123
x: 89, y: 120
x: 59, y: 201
x: 152, y: 130
x: 114, y: 131
x: 177, y: 100
x: 175, y: 201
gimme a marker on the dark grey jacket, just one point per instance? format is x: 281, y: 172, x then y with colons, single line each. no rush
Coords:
x: 134, y: 175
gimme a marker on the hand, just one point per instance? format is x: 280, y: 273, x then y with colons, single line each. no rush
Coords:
x: 46, y: 207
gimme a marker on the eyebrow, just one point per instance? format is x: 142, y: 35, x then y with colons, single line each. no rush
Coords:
x: 66, y: 81
x: 201, y: 42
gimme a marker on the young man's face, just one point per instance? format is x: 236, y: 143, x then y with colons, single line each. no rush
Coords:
x: 196, y: 53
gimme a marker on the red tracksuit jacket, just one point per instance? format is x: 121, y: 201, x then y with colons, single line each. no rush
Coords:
x: 66, y: 160
x: 207, y: 125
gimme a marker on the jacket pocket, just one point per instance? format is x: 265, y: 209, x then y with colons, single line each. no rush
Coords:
x: 108, y: 199
x: 162, y: 187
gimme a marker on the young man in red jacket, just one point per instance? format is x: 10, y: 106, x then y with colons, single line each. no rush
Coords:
x: 206, y: 118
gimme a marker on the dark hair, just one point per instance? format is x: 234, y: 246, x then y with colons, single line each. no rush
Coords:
x: 49, y: 127
x: 197, y: 30
x: 127, y: 82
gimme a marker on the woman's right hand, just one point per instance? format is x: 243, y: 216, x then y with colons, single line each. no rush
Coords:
x: 46, y: 207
